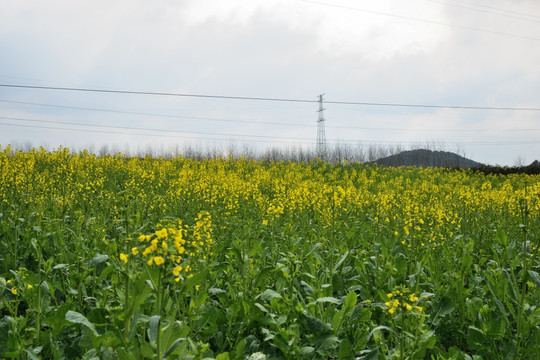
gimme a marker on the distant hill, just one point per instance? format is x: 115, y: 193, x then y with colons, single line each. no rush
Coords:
x: 428, y: 158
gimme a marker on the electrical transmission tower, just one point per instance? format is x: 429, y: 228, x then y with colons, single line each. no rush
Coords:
x: 321, y: 135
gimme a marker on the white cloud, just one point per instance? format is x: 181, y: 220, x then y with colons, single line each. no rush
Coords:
x: 274, y: 48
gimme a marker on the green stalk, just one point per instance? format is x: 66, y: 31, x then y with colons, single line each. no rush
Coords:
x: 523, y: 282
x: 38, y: 313
x: 159, y: 305
x: 127, y: 324
x: 401, y: 337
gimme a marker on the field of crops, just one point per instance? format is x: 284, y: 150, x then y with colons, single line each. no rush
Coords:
x: 131, y: 258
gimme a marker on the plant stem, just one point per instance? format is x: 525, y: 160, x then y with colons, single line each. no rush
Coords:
x: 401, y: 336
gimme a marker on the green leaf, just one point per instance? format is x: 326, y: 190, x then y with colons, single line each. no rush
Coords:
x: 31, y: 354
x: 154, y: 327
x: 372, y: 354
x: 467, y: 261
x: 340, y: 262
x: 307, y: 350
x: 443, y: 307
x: 60, y: 266
x: 378, y: 328
x: 535, y: 276
x: 197, y: 279
x: 268, y: 295
x: 327, y: 344
x: 328, y: 299
x: 501, y: 237
x: 123, y: 354
x: 173, y: 346
x: 96, y: 260
x: 78, y: 318
x: 476, y: 337
x: 318, y: 326
x: 223, y: 356
x: 262, y: 308
x: 350, y: 300
x: 216, y: 291
x: 315, y: 247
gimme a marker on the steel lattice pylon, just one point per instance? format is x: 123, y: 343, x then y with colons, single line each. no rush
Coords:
x: 321, y: 135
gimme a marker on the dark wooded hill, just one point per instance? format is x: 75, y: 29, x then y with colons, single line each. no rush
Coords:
x: 428, y: 158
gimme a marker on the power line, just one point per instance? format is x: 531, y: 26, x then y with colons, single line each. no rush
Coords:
x: 227, y: 97
x: 145, y: 134
x: 338, y: 142
x: 496, y: 8
x: 259, y: 122
x: 155, y: 114
x: 433, y: 106
x: 249, y: 98
x: 421, y: 20
x: 149, y: 129
x: 484, y: 11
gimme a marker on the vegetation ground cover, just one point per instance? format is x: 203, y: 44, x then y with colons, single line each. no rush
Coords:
x: 118, y: 257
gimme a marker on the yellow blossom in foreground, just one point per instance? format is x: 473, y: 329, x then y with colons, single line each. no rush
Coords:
x: 158, y: 260
x: 123, y: 257
x: 176, y: 270
x: 14, y: 291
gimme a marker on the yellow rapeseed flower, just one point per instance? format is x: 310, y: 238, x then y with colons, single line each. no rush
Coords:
x: 159, y: 260
x: 176, y: 270
x: 123, y: 257
x: 14, y: 291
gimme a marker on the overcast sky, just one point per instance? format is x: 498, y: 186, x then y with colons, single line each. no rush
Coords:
x: 474, y: 53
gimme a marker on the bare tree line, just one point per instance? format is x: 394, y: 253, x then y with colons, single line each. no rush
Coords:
x: 336, y: 153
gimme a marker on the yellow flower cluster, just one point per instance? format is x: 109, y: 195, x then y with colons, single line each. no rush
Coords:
x: 419, y: 208
x: 20, y: 282
x: 174, y: 245
x: 401, y: 297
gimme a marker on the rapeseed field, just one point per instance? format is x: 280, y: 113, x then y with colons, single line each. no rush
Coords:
x: 119, y: 257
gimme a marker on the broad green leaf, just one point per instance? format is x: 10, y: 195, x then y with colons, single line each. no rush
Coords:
x: 350, y: 300
x: 78, y: 318
x: 501, y: 237
x: 535, y: 276
x: 328, y: 299
x: 262, y: 308
x: 372, y: 354
x: 467, y: 261
x: 268, y: 295
x: 31, y: 354
x: 327, y: 344
x: 123, y: 354
x: 153, y: 327
x: 216, y: 291
x: 307, y: 350
x: 173, y: 346
x: 96, y: 260
x: 318, y: 326
x: 223, y: 356
x: 444, y: 307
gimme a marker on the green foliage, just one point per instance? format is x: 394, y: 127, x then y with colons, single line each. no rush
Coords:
x: 297, y: 261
